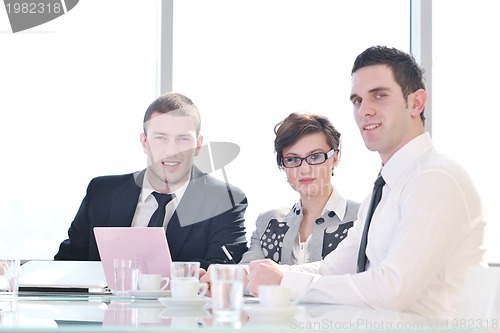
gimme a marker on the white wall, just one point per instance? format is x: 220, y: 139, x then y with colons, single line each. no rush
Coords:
x: 73, y: 93
x: 72, y: 96
x: 248, y: 64
x: 465, y: 109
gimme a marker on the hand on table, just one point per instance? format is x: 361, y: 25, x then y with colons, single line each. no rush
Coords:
x: 205, y: 277
x: 203, y: 272
x: 263, y: 272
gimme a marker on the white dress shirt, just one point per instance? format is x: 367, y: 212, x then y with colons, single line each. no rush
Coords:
x: 426, y: 231
x: 302, y: 251
x: 147, y: 204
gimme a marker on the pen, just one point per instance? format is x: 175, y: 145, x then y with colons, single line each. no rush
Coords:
x: 228, y: 255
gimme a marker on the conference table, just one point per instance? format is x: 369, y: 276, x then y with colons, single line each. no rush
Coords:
x: 65, y: 312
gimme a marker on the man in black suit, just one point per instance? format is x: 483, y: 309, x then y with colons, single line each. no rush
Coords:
x: 204, y: 213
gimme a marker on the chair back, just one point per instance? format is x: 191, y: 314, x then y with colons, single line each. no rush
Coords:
x: 480, y: 298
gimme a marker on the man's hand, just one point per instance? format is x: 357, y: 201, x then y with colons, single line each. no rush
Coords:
x: 205, y: 277
x: 203, y: 272
x: 262, y: 272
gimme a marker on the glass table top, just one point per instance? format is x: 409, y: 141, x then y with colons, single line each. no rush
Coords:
x: 106, y: 313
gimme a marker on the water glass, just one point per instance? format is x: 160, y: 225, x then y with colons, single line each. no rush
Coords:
x: 226, y: 285
x: 185, y: 270
x: 126, y: 274
x: 9, y: 277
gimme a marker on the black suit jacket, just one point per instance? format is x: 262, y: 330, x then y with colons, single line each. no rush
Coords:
x: 209, y: 215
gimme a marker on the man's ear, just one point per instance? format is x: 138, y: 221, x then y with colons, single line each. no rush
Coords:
x: 143, y: 139
x: 199, y: 142
x: 417, y: 102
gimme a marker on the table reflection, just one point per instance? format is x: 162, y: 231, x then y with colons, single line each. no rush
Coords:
x: 93, y: 314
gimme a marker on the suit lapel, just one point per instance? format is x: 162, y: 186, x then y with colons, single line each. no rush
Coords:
x: 124, y: 201
x: 176, y: 235
x: 186, y: 213
x: 293, y: 222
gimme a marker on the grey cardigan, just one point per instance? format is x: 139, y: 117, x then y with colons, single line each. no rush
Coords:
x: 277, y: 230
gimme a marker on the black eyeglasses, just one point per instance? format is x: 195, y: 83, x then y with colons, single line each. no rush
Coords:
x: 313, y: 159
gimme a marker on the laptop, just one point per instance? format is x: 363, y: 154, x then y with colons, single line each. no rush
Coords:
x: 51, y: 276
x: 148, y: 244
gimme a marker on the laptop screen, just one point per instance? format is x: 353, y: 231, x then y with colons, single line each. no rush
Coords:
x: 148, y: 244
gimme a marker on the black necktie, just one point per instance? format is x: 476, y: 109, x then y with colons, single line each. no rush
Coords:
x: 159, y: 214
x: 376, y: 195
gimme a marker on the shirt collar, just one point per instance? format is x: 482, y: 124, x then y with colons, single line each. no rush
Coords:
x: 405, y: 158
x: 147, y: 189
x: 336, y: 203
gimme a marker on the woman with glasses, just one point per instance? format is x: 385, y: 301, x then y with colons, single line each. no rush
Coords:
x: 307, y: 148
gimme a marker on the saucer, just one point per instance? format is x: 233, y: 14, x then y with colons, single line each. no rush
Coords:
x: 265, y: 313
x: 150, y: 293
x: 183, y: 303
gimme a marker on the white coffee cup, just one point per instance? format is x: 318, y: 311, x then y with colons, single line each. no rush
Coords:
x: 187, y: 288
x: 276, y: 296
x: 153, y: 282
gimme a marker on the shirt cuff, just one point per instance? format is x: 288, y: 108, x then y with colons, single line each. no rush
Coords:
x: 298, y: 281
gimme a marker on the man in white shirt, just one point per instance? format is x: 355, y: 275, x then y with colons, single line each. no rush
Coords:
x: 428, y: 227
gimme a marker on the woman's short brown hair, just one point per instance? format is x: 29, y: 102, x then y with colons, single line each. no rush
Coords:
x: 292, y: 128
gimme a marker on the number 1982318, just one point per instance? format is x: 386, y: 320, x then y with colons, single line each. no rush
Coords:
x: 473, y: 324
x: 33, y: 8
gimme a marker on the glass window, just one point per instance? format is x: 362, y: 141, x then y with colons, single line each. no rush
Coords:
x: 247, y: 64
x: 464, y: 121
x: 74, y: 91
